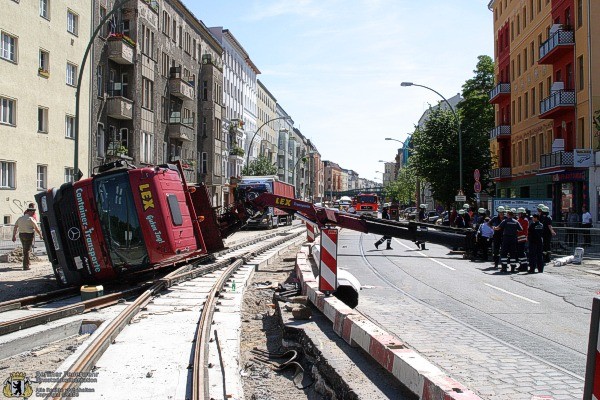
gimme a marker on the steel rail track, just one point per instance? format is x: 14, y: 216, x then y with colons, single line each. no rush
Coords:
x: 90, y: 356
x: 36, y: 299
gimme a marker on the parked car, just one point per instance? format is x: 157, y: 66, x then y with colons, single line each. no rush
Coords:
x: 432, y: 216
x: 409, y: 213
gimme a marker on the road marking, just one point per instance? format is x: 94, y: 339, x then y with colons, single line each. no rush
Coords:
x: 512, y: 294
x: 426, y: 256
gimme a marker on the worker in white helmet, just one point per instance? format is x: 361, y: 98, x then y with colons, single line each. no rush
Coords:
x: 497, y: 238
x: 522, y: 239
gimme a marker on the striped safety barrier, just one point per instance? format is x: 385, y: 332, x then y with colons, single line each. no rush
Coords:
x: 310, y: 232
x: 328, y: 264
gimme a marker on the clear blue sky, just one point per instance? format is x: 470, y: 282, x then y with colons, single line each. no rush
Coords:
x: 336, y: 65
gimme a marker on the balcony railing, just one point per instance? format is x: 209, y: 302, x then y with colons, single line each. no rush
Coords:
x: 556, y: 159
x: 502, y: 172
x: 560, y: 39
x: 500, y: 90
x: 181, y: 128
x: 558, y: 99
x: 119, y: 108
x: 174, y: 119
x: 500, y: 131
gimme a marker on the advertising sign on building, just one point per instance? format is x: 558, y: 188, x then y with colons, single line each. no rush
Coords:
x: 528, y: 204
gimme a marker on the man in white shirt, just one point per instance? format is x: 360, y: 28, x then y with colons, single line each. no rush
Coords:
x: 27, y: 227
x: 586, y: 222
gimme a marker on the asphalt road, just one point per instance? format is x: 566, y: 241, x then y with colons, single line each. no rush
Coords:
x: 506, y: 336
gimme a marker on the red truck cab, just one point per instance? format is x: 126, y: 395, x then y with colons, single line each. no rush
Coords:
x: 119, y: 221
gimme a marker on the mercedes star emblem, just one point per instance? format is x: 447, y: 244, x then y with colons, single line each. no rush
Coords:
x: 74, y: 233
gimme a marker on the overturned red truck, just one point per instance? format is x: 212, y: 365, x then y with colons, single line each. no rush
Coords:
x: 124, y: 220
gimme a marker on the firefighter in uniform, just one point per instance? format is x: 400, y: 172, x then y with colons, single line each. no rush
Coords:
x: 497, y: 238
x: 459, y: 222
x: 421, y: 217
x: 509, y: 227
x: 546, y: 221
x: 535, y: 237
x: 466, y: 216
x: 522, y: 239
x: 384, y: 215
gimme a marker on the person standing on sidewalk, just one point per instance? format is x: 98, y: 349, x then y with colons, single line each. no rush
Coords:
x: 27, y: 228
x: 385, y: 215
x: 586, y: 223
x: 497, y: 238
x: 522, y: 239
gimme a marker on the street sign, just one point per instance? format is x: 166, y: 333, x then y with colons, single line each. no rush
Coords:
x: 477, y: 187
x: 460, y: 197
x: 476, y: 174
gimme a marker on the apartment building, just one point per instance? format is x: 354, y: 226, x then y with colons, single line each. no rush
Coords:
x: 333, y: 180
x: 315, y: 172
x: 150, y: 61
x: 285, y: 146
x: 268, y: 125
x: 546, y: 97
x: 41, y: 50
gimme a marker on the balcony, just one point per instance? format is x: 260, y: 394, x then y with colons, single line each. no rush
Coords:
x: 121, y: 50
x: 181, y: 128
x: 119, y: 107
x: 500, y: 92
x: 501, y: 131
x: 557, y: 159
x: 561, y: 42
x: 182, y: 89
x: 499, y: 173
x: 557, y: 103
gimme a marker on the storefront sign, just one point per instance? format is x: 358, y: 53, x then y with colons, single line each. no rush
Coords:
x: 583, y: 158
x: 574, y: 176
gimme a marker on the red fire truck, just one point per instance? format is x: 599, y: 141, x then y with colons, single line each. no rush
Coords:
x: 366, y: 204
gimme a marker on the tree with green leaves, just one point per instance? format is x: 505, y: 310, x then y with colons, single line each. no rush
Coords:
x: 435, y: 154
x: 403, y: 188
x: 259, y: 167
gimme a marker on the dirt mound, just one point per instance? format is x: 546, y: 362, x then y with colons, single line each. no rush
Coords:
x: 16, y: 255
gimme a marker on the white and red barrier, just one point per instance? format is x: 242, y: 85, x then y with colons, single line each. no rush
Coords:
x: 420, y: 376
x: 591, y: 390
x: 328, y: 264
x: 310, y: 232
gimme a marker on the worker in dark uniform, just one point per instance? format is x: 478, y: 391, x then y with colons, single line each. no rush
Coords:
x: 384, y: 215
x: 509, y: 227
x: 497, y: 238
x: 522, y: 239
x: 535, y: 238
x: 546, y: 220
x: 459, y: 222
x: 466, y: 216
x: 421, y: 217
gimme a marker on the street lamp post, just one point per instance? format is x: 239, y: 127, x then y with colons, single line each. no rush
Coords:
x: 460, y: 162
x: 287, y: 117
x: 76, y: 173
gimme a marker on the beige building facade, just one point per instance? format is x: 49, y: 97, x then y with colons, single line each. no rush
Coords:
x: 41, y: 49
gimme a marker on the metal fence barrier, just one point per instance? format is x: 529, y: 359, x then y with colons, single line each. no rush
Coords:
x: 568, y: 238
x: 7, y: 245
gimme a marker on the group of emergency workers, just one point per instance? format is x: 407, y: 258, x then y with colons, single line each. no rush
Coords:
x: 518, y: 239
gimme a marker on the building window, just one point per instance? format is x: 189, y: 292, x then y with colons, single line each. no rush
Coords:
x: 533, y: 102
x: 100, y: 80
x: 146, y: 147
x: 45, y: 9
x: 8, y: 49
x: 580, y: 72
x: 204, y: 127
x: 8, y: 109
x: 71, y: 79
x: 100, y: 141
x: 174, y: 31
x: 72, y: 22
x: 42, y: 120
x: 579, y: 13
x: 180, y: 37
x: 519, y: 109
x: 165, y: 64
x: 44, y: 62
x: 42, y: 177
x: 204, y: 90
x: 579, y: 143
x: 70, y: 127
x: 148, y: 94
x: 526, y: 152
x: 7, y: 175
x: 533, y: 149
x: 204, y: 163
x: 526, y: 105
x: 104, y: 30
x: 194, y: 49
x: 166, y: 23
x: 69, y: 175
x: 164, y: 109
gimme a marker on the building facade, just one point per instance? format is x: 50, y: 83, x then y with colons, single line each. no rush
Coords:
x: 41, y: 50
x: 546, y: 98
x: 268, y: 126
x: 285, y: 146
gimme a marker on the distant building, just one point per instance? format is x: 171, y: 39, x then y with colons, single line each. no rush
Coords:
x: 547, y: 103
x: 41, y: 51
